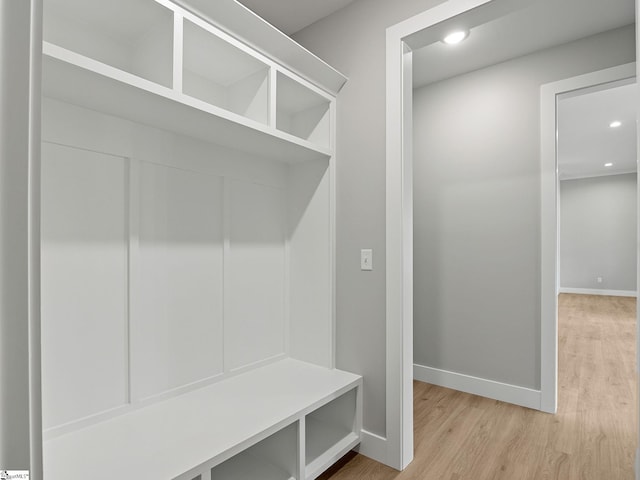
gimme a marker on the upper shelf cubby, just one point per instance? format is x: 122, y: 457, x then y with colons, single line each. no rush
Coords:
x: 133, y: 36
x: 223, y: 75
x: 233, y: 17
x: 302, y: 112
x: 156, y: 62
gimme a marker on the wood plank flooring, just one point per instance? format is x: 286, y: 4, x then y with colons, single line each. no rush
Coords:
x: 593, y: 437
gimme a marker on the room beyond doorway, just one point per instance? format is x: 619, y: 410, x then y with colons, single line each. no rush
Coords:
x: 596, y: 212
x: 597, y: 175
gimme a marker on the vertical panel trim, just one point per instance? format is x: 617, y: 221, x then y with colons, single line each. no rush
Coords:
x: 178, y: 50
x: 33, y: 239
x: 273, y: 100
x: 133, y: 282
x: 332, y: 234
x: 226, y: 274
x: 302, y: 447
x: 286, y: 328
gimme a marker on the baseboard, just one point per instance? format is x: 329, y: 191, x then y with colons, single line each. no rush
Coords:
x: 504, y: 392
x: 373, y: 446
x: 593, y: 291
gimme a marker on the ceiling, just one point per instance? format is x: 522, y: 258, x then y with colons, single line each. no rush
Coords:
x: 540, y: 24
x: 291, y: 16
x: 586, y: 141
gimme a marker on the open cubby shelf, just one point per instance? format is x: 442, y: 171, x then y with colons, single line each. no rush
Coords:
x: 330, y: 431
x: 135, y: 37
x: 274, y: 458
x: 242, y: 86
x: 187, y: 251
x: 302, y: 112
x: 126, y: 50
x: 85, y: 82
x: 244, y: 466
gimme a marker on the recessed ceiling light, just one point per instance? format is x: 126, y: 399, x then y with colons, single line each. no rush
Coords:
x: 615, y: 124
x: 608, y: 164
x: 456, y: 37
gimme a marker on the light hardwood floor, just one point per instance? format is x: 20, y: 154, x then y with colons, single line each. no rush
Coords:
x: 593, y: 436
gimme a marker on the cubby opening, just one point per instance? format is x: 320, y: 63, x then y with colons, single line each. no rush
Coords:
x: 136, y: 37
x: 274, y: 458
x: 330, y: 428
x: 302, y: 112
x: 221, y: 74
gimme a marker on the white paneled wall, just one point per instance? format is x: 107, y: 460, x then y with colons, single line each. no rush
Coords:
x: 167, y: 263
x: 84, y: 278
x: 256, y: 274
x: 310, y: 246
x: 177, y: 330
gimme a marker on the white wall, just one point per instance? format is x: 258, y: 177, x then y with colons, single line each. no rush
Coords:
x: 353, y: 41
x: 598, y: 233
x: 477, y: 213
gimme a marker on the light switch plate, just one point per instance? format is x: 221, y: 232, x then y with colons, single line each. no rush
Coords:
x: 366, y: 259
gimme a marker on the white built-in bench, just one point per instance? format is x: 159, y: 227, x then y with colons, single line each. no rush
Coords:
x: 288, y: 420
x: 188, y: 247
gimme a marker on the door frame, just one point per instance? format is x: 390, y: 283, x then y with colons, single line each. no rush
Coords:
x: 401, y: 39
x: 549, y: 216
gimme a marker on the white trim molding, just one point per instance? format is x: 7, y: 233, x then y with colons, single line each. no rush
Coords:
x: 637, y: 462
x: 20, y: 142
x: 549, y: 218
x: 373, y: 446
x: 514, y: 394
x: 593, y: 291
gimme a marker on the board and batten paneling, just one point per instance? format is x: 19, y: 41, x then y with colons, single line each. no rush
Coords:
x: 255, y: 274
x: 310, y: 265
x: 176, y: 203
x: 177, y: 326
x: 84, y: 283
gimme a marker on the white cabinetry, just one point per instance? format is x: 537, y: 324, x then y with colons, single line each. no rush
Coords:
x: 187, y: 252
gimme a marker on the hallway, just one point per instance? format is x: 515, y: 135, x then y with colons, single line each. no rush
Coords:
x: 593, y: 437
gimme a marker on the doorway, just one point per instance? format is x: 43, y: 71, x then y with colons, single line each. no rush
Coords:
x: 566, y: 92
x: 597, y: 249
x: 402, y: 40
